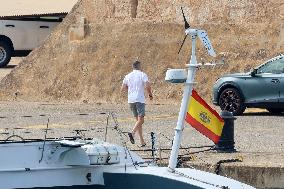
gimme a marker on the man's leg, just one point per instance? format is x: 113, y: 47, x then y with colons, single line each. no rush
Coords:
x: 138, y: 127
x: 140, y: 132
x: 135, y: 129
x: 139, y: 121
x: 133, y: 108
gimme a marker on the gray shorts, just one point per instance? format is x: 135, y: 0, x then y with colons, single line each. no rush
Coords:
x: 138, y: 109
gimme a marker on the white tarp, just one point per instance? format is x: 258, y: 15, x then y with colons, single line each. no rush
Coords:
x: 34, y: 7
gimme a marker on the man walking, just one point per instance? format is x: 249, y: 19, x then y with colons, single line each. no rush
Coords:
x: 134, y: 83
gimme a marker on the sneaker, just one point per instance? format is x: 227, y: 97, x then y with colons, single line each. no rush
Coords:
x: 131, y: 138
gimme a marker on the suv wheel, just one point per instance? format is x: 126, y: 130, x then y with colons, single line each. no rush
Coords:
x: 275, y: 110
x: 5, y: 53
x: 231, y: 100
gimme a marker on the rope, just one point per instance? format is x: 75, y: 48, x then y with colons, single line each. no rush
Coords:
x: 190, y: 153
x: 217, y: 170
x: 121, y: 133
x: 12, y: 136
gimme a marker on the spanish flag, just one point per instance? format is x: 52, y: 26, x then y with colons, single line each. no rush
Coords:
x: 203, y: 118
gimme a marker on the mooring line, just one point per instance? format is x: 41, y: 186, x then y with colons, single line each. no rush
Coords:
x: 64, y: 125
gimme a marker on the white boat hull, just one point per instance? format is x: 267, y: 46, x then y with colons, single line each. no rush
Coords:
x: 68, y: 166
x: 112, y: 178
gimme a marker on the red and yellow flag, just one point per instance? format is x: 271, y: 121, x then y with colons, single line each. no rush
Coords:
x: 203, y: 118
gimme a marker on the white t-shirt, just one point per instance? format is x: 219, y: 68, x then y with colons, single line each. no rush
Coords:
x: 136, y: 81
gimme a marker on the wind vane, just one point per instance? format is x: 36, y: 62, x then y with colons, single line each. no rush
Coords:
x: 202, y: 35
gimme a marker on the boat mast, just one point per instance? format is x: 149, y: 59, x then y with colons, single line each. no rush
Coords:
x: 175, y: 76
x: 185, y: 100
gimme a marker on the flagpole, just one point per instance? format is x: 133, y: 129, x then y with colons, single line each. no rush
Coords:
x: 185, y: 99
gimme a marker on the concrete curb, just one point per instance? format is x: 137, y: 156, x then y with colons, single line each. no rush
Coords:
x: 259, y: 177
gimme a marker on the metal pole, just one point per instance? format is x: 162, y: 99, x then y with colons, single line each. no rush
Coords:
x: 184, y: 104
x: 153, y: 140
x: 107, y: 122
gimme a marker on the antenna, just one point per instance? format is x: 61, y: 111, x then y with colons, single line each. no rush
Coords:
x: 44, y: 140
x: 182, y: 43
x: 186, y: 26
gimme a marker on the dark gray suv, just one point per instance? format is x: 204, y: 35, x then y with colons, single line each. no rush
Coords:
x: 261, y: 88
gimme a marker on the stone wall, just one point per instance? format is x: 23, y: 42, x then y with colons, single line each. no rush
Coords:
x: 115, y: 32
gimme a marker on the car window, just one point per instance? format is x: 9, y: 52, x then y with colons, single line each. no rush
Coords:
x: 274, y: 67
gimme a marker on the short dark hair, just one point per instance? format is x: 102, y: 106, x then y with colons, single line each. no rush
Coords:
x: 136, y: 65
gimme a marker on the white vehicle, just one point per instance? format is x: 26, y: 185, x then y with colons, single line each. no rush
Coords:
x: 19, y: 36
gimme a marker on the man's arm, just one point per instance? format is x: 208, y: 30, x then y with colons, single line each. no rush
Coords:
x: 123, y: 88
x: 149, y: 90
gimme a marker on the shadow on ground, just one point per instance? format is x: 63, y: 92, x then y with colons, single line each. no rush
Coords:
x: 9, y: 67
x: 261, y: 114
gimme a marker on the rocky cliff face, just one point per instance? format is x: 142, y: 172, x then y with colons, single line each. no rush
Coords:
x: 87, y: 56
